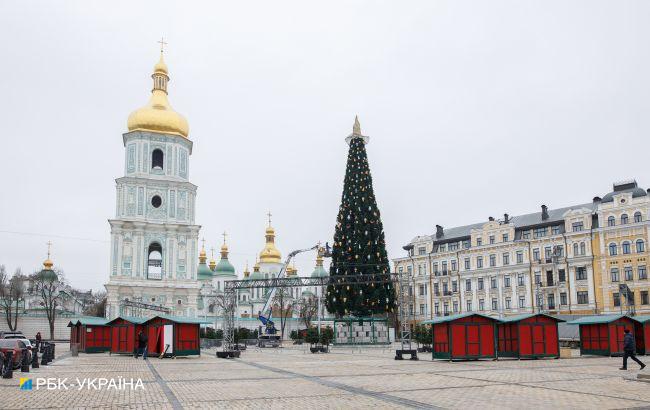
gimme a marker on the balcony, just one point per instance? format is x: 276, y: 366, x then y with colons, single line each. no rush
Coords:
x: 447, y: 293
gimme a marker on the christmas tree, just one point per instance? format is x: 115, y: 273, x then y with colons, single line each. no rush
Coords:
x: 359, y: 246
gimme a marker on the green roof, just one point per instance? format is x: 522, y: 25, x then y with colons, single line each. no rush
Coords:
x: 203, y: 272
x: 596, y: 319
x: 517, y: 318
x: 256, y: 275
x: 182, y: 319
x: 224, y: 268
x: 319, y: 272
x: 642, y: 318
x: 132, y: 319
x: 48, y: 274
x: 444, y: 319
x: 89, y: 320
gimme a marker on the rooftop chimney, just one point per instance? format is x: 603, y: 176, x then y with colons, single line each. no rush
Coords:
x: 439, y: 232
x: 597, y: 199
x: 506, y: 218
x: 544, y: 212
x: 491, y: 218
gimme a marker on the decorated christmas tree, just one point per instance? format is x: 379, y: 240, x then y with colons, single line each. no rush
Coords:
x: 359, y: 247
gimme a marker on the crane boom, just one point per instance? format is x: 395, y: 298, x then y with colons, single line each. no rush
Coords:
x: 264, y: 315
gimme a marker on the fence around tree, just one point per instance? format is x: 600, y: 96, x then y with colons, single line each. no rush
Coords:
x: 361, y: 331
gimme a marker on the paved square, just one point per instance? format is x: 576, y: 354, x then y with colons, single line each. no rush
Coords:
x: 361, y: 378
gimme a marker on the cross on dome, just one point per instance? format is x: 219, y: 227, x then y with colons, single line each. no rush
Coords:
x: 162, y: 44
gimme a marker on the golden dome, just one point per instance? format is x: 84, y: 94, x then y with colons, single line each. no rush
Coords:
x: 270, y: 254
x: 158, y: 115
x: 47, y: 264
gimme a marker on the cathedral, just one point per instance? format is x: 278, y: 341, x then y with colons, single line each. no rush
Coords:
x: 154, y: 239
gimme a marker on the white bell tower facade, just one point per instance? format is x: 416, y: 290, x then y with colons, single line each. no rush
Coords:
x: 154, y: 239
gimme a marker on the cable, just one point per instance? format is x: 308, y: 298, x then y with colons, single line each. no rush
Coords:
x: 54, y: 236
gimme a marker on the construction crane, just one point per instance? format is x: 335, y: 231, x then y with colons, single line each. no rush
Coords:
x: 269, y: 335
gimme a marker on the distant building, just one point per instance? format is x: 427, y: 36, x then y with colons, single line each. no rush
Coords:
x: 567, y: 260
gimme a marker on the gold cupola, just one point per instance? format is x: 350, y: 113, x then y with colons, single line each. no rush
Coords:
x: 158, y: 115
x: 270, y: 254
x: 213, y: 263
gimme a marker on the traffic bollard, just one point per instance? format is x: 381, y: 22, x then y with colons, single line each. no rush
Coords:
x: 53, y: 351
x: 35, y: 364
x: 24, y: 361
x: 8, y: 366
x: 44, y: 357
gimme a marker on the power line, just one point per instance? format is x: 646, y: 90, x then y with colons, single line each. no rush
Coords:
x: 43, y: 235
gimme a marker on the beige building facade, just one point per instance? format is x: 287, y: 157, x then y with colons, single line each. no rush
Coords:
x: 555, y: 261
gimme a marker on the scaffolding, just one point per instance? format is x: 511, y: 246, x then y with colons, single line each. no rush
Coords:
x: 140, y: 309
x: 232, y: 287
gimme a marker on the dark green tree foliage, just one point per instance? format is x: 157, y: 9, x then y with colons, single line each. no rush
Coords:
x: 359, y: 246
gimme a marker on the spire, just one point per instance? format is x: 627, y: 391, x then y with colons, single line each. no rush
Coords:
x: 213, y: 263
x: 158, y: 115
x: 356, y: 128
x: 356, y: 132
x: 270, y: 253
x: 47, y: 264
x: 246, y: 271
x: 202, y: 256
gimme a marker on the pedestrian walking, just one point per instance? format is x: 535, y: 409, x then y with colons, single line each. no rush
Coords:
x: 142, y: 345
x: 628, y: 350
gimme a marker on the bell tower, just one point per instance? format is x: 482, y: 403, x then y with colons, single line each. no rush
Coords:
x: 154, y: 238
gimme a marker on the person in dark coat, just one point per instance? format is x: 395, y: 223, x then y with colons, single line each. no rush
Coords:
x: 38, y: 340
x: 628, y: 350
x: 142, y: 345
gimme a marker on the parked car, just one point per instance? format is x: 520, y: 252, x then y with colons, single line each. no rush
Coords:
x: 12, y: 335
x: 17, y: 346
x: 21, y: 337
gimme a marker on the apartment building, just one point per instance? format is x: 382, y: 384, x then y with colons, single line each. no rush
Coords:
x: 556, y: 261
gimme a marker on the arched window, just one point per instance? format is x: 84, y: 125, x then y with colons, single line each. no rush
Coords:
x: 640, y: 245
x: 638, y: 217
x: 612, y: 249
x: 611, y: 221
x: 575, y: 249
x: 624, y: 219
x: 583, y: 250
x: 157, y: 159
x: 154, y: 265
x: 626, y: 247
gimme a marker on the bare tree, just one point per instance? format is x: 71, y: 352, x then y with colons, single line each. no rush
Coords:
x: 48, y: 285
x: 307, y: 309
x: 283, y: 304
x: 12, y: 296
x: 98, y: 308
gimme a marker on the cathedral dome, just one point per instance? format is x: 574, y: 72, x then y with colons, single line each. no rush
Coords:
x: 203, y: 272
x: 224, y: 267
x: 319, y: 271
x: 47, y: 273
x: 256, y: 272
x: 270, y: 254
x: 158, y: 115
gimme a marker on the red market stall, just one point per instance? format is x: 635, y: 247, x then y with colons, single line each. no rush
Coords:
x: 642, y: 334
x: 463, y: 336
x: 124, y: 333
x: 90, y: 334
x: 174, y: 335
x: 528, y: 336
x: 602, y: 335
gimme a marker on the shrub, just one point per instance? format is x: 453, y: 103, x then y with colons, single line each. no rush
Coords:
x: 312, y: 336
x: 326, y: 336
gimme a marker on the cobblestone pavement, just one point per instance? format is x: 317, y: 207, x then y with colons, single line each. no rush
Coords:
x: 346, y: 378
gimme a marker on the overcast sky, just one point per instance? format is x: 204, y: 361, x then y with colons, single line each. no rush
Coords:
x: 473, y: 109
